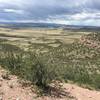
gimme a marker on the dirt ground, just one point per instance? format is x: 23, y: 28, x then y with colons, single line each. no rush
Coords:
x: 12, y: 89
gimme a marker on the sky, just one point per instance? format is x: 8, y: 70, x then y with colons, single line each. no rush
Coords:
x: 70, y: 12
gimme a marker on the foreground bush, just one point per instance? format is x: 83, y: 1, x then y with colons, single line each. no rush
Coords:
x: 29, y: 66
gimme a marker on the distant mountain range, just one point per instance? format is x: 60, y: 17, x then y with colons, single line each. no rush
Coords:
x: 48, y: 25
x: 32, y: 25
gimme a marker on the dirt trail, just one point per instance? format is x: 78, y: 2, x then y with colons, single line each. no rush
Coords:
x: 11, y: 89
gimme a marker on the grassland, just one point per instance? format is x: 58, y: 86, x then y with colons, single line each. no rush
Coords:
x: 43, y: 56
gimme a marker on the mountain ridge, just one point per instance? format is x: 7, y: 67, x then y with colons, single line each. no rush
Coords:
x: 47, y: 25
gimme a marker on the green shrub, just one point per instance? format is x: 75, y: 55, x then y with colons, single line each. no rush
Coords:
x: 30, y: 67
x: 42, y: 74
x: 12, y: 62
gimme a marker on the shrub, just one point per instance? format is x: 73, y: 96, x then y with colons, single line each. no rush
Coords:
x: 41, y: 73
x: 30, y: 67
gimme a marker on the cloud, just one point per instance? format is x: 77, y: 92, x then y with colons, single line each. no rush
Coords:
x: 13, y: 11
x: 57, y: 11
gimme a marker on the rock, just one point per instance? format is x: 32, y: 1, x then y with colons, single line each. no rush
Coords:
x: 17, y: 98
x: 1, y: 79
x: 1, y: 92
x: 1, y: 98
x: 11, y: 85
x: 0, y: 84
x: 6, y: 76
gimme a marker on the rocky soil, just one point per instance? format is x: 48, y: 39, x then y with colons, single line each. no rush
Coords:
x: 12, y: 88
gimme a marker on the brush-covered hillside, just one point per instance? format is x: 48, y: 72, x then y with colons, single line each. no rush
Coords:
x: 53, y: 62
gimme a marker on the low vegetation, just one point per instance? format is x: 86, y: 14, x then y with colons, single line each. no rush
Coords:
x: 42, y: 64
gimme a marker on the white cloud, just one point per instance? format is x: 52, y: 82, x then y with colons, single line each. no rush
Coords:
x: 79, y: 16
x: 86, y: 15
x: 13, y: 11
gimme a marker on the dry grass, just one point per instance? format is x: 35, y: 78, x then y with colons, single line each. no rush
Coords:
x: 39, y: 35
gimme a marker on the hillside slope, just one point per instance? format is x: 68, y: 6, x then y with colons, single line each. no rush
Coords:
x: 12, y: 89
